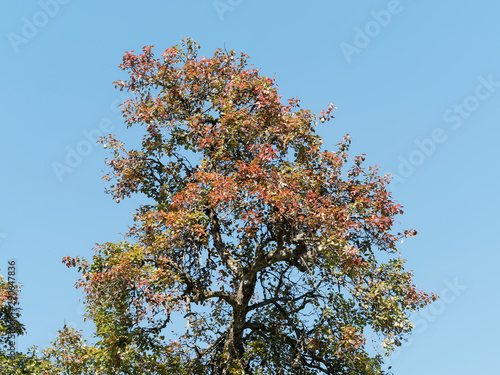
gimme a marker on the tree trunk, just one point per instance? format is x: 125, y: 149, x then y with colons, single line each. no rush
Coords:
x: 233, y: 347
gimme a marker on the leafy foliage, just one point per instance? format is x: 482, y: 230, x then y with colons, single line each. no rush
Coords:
x: 256, y: 251
x: 9, y: 313
x: 13, y: 362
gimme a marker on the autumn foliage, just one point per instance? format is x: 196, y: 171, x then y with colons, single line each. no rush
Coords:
x: 255, y: 251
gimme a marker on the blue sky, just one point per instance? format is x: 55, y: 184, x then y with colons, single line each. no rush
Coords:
x: 417, y: 86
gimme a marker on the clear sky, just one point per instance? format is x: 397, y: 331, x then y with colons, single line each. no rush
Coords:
x: 417, y: 86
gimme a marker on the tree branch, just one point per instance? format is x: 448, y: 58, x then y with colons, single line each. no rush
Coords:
x: 219, y: 243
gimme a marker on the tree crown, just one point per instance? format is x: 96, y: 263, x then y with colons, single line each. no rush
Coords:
x: 268, y: 246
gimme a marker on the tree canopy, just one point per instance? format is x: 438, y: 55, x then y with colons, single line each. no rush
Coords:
x: 255, y: 251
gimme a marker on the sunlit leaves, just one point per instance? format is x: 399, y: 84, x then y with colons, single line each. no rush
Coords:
x: 258, y: 250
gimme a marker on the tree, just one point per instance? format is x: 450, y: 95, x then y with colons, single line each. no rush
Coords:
x: 11, y: 360
x: 68, y: 353
x: 277, y: 255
